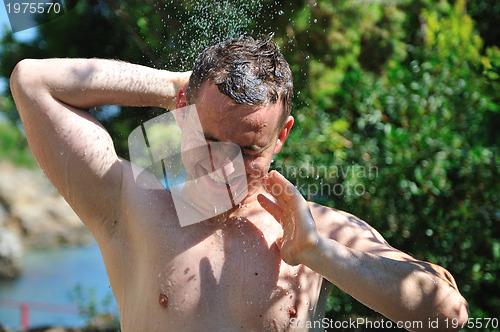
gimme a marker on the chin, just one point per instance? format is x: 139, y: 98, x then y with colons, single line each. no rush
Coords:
x: 253, y: 189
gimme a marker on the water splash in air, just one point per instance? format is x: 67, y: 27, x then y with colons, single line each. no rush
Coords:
x: 204, y: 23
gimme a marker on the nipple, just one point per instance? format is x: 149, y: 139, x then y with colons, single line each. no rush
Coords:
x: 163, y: 299
x: 292, y: 311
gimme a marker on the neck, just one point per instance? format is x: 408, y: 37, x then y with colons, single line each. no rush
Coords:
x: 241, y: 210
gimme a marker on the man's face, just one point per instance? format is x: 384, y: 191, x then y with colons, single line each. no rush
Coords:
x: 251, y: 128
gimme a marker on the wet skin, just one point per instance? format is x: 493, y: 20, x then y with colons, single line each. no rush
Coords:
x: 226, y: 272
x: 250, y: 268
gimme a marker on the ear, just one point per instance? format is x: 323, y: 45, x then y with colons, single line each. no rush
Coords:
x: 180, y: 107
x: 283, y: 134
x: 181, y: 100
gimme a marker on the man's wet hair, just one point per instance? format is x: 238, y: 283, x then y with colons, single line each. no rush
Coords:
x: 247, y: 70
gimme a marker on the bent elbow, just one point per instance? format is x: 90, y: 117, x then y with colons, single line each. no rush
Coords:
x: 23, y: 77
x: 457, y: 315
x: 463, y: 313
x: 455, y: 308
x: 17, y: 74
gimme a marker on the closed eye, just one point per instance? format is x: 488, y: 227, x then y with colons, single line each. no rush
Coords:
x: 251, y: 151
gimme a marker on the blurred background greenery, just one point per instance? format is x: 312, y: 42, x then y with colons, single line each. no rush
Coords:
x: 410, y: 89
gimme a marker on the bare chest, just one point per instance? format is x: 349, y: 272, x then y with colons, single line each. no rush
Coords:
x: 227, y: 279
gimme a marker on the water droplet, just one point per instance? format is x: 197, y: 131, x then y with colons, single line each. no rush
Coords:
x: 281, y: 12
x: 315, y: 20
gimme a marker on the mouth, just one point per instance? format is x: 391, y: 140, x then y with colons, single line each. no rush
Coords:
x: 216, y: 179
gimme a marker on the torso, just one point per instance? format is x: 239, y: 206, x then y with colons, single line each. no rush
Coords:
x: 210, y: 276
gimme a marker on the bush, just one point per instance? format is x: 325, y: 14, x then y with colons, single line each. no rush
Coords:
x: 425, y: 125
x: 98, y: 313
x: 13, y: 146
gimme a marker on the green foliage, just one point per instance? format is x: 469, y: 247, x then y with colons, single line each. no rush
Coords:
x: 426, y: 120
x: 13, y: 146
x: 452, y: 38
x: 398, y: 103
x: 485, y: 14
x: 96, y: 312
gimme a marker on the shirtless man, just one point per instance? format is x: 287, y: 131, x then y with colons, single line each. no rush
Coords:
x: 256, y: 267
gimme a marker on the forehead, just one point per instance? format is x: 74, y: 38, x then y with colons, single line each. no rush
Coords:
x: 225, y: 120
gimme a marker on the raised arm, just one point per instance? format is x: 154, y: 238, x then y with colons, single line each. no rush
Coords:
x: 73, y: 149
x: 355, y: 257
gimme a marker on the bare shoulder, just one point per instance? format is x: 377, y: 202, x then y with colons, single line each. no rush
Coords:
x: 346, y: 228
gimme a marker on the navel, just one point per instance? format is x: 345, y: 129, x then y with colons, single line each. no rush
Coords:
x: 163, y: 299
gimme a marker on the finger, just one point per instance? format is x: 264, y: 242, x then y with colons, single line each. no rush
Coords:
x: 277, y: 212
x: 276, y: 177
x: 274, y: 209
x: 282, y: 189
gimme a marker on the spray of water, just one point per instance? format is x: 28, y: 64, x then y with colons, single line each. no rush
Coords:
x: 205, y: 23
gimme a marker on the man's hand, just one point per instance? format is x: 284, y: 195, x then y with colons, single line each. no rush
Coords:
x: 292, y: 211
x: 385, y: 279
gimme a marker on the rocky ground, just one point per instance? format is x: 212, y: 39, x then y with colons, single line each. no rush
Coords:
x: 32, y: 215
